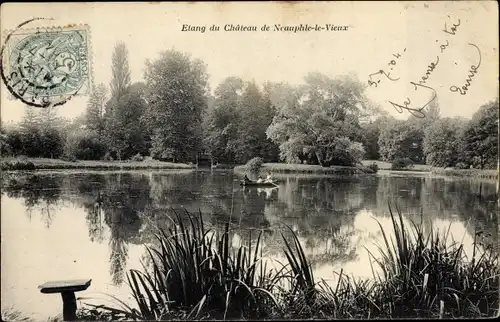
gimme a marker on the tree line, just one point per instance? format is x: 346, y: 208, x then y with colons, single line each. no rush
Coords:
x: 438, y: 141
x: 173, y: 116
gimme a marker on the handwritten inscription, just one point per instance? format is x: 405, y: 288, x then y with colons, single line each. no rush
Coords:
x: 472, y: 72
x: 430, y: 69
x: 417, y: 112
x: 433, y: 65
x: 391, y: 64
x: 422, y: 83
x: 453, y: 29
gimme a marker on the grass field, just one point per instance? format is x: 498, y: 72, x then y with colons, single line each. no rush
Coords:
x: 44, y: 163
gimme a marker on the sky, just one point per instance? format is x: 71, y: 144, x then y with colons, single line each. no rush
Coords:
x: 408, y: 33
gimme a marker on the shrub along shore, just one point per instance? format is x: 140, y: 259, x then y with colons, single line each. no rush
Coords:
x: 196, y: 274
x: 301, y: 168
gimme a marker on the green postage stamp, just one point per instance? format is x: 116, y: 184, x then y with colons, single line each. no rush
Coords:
x: 48, y: 66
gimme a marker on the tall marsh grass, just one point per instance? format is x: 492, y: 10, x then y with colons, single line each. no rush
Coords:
x: 426, y: 275
x: 12, y: 314
x: 195, y: 271
x: 195, y: 274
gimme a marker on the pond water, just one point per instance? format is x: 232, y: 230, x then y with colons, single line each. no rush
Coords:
x: 70, y: 225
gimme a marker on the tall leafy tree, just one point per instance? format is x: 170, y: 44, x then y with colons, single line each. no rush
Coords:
x: 371, y: 132
x: 442, y: 142
x: 5, y: 146
x: 221, y: 128
x: 401, y: 139
x: 96, y: 105
x: 39, y: 134
x: 256, y: 115
x: 176, y: 92
x: 322, y: 123
x: 52, y: 134
x: 31, y: 134
x: 48, y: 118
x: 120, y: 70
x: 480, y: 138
x: 119, y: 85
x: 31, y: 119
x: 128, y: 136
x: 432, y: 114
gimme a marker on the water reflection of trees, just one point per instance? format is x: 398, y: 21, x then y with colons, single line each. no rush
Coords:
x: 124, y: 196
x: 95, y: 222
x: 89, y: 190
x: 321, y: 211
x: 42, y: 193
x: 471, y: 201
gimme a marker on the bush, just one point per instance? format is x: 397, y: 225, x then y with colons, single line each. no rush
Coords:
x: 137, y: 157
x: 84, y: 145
x: 373, y: 167
x: 13, y: 142
x: 89, y: 148
x: 461, y: 165
x: 401, y: 163
x: 35, y: 142
x: 107, y: 157
x: 69, y: 158
x: 22, y: 158
x: 18, y: 165
x: 255, y: 164
x: 53, y: 143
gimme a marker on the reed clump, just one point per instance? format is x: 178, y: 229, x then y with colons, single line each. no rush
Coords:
x: 196, y: 275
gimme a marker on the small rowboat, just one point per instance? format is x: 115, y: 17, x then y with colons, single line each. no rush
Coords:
x: 258, y: 184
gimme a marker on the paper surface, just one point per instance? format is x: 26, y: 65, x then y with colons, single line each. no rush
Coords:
x: 406, y: 55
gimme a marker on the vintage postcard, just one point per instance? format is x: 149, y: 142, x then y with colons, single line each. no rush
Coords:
x: 249, y: 160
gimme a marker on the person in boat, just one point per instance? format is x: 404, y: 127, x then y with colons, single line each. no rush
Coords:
x: 269, y: 178
x: 246, y: 179
x: 260, y: 180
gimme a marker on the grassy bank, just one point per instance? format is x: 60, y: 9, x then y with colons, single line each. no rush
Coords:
x: 472, y: 173
x: 196, y: 274
x: 305, y: 168
x: 45, y: 164
x: 382, y: 165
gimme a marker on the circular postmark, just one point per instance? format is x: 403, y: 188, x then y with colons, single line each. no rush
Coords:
x: 46, y: 67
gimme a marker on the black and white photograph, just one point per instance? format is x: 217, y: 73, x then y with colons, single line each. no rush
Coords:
x: 249, y: 160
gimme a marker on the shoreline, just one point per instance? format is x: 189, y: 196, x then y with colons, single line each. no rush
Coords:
x: 26, y: 164
x: 466, y: 173
x: 15, y: 164
x: 435, y: 171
